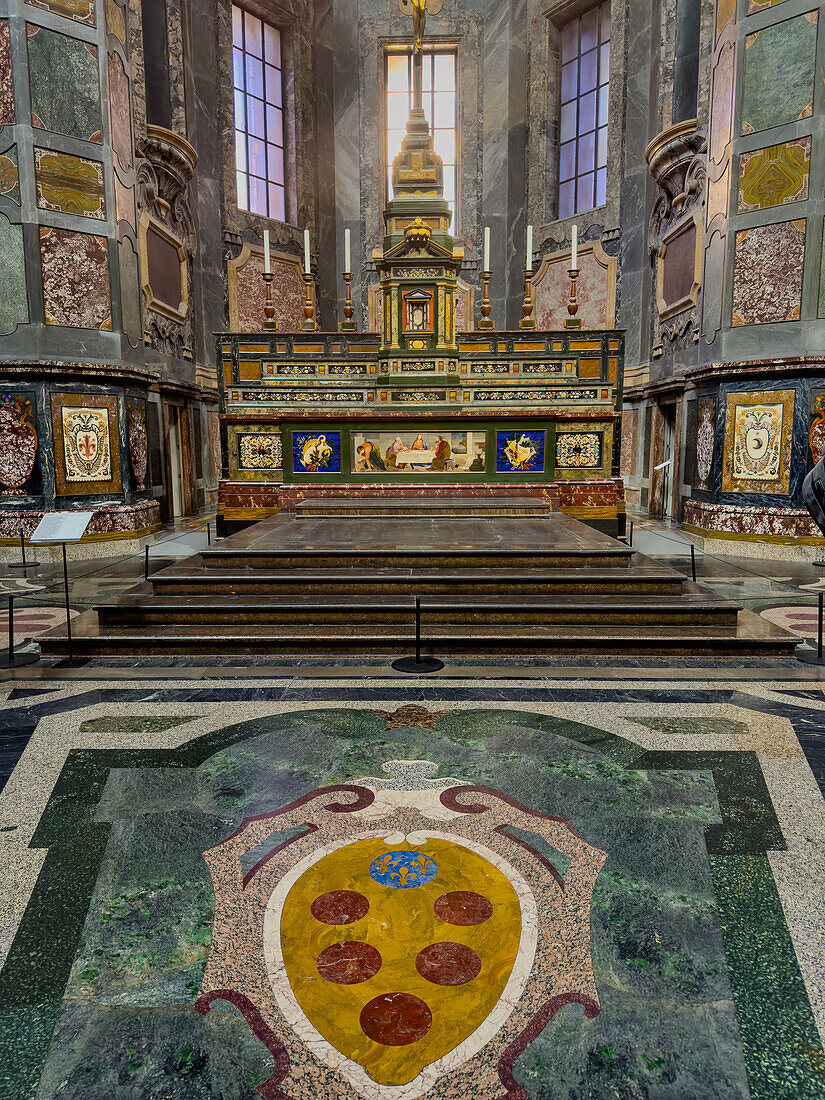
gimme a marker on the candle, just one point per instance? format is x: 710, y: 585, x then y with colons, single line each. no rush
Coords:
x: 486, y: 265
x: 575, y: 256
x: 347, y: 267
x: 306, y: 251
x: 267, y: 261
x: 528, y: 263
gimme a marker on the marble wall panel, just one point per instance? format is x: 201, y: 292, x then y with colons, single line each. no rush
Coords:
x: 14, y: 304
x: 138, y: 442
x: 129, y: 290
x: 630, y: 442
x: 75, y: 279
x: 767, y: 273
x: 760, y: 5
x: 773, y: 176
x: 82, y: 11
x: 247, y: 292
x: 816, y: 427
x: 758, y: 442
x: 821, y: 310
x: 86, y: 444
x: 65, y: 84
x: 724, y: 13
x: 116, y: 20
x: 10, y: 175
x: 120, y: 115
x: 705, y: 440
x: 679, y: 275
x: 73, y: 185
x: 124, y: 202
x: 778, y: 84
x: 6, y: 81
x: 595, y: 287
x: 18, y: 442
x: 721, y: 111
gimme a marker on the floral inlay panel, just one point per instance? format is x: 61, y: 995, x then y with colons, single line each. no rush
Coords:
x: 260, y: 452
x: 767, y: 273
x: 758, y: 439
x: 86, y: 444
x: 18, y: 442
x: 775, y: 175
x: 705, y: 438
x: 578, y: 450
x: 73, y: 185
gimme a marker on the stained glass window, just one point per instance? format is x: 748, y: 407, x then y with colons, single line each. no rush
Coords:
x: 438, y: 73
x: 585, y: 78
x: 257, y: 80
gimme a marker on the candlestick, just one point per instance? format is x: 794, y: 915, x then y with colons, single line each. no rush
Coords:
x: 309, y: 305
x: 485, y: 321
x: 527, y: 321
x: 486, y: 264
x: 348, y: 325
x: 306, y: 252
x: 573, y: 303
x: 347, y: 264
x: 269, y: 308
x: 267, y: 260
x: 529, y: 257
x: 575, y: 257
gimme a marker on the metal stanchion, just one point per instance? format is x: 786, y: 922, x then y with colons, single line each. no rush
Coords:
x: 208, y: 534
x: 27, y: 654
x: 693, y: 561
x: 146, y: 564
x: 68, y: 610
x: 812, y: 655
x: 630, y: 537
x: 22, y: 564
x: 417, y: 664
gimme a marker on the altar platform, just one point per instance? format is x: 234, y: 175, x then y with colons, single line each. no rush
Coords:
x: 515, y: 585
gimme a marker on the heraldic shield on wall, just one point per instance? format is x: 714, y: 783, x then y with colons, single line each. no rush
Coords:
x: 401, y: 937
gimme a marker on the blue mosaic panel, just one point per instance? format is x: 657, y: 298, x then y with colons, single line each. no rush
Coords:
x: 403, y: 870
x: 518, y: 452
x: 316, y: 452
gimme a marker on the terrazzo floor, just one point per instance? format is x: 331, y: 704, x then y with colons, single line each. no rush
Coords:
x: 621, y: 888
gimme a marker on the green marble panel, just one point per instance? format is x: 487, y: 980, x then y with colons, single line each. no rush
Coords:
x: 65, y: 84
x: 14, y: 305
x: 779, y: 73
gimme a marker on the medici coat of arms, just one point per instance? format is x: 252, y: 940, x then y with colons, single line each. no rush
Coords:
x: 401, y: 937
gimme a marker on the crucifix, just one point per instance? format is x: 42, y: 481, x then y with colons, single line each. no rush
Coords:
x: 419, y: 9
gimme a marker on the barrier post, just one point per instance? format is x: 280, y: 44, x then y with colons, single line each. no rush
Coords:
x: 693, y: 561
x: 417, y: 664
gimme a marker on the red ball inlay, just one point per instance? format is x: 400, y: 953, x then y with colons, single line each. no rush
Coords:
x: 396, y: 1019
x: 348, y: 963
x: 340, y: 907
x: 463, y: 907
x: 448, y: 964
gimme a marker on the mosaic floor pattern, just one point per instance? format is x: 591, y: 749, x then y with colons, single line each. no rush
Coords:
x: 389, y: 889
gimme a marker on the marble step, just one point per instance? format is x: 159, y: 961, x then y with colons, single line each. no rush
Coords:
x: 752, y: 637
x: 690, y: 608
x: 648, y: 579
x: 417, y: 558
x: 455, y: 507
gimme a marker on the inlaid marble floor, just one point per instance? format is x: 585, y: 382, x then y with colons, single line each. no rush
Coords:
x: 312, y: 883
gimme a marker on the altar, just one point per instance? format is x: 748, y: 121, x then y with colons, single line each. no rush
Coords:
x: 420, y: 407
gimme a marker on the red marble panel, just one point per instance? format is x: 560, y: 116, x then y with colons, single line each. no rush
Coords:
x: 595, y: 290
x: 75, y: 279
x: 721, y: 111
x: 6, y: 84
x: 288, y: 295
x: 742, y: 519
x: 630, y: 424
x: 767, y: 273
x: 18, y: 442
x: 117, y: 519
x: 120, y: 113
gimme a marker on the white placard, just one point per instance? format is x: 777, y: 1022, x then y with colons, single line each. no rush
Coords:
x: 62, y: 527
x: 661, y: 466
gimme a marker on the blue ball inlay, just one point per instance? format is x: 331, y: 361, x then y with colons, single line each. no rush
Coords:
x: 403, y: 870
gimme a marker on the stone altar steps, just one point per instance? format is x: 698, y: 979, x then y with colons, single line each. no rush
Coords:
x: 490, y: 586
x: 694, y: 609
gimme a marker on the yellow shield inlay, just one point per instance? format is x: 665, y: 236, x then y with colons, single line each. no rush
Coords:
x: 396, y: 976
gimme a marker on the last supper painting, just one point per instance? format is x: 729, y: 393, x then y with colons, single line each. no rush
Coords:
x: 419, y: 452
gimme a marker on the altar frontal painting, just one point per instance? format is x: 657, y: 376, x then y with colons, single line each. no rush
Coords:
x: 316, y: 452
x: 419, y: 452
x: 520, y: 451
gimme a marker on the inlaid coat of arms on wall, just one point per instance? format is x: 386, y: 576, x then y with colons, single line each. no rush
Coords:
x: 401, y: 937
x: 86, y: 444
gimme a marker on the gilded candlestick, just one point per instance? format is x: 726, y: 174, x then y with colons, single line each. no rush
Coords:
x: 573, y: 302
x: 269, y: 307
x: 309, y: 306
x: 348, y: 325
x: 485, y: 321
x: 527, y: 321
